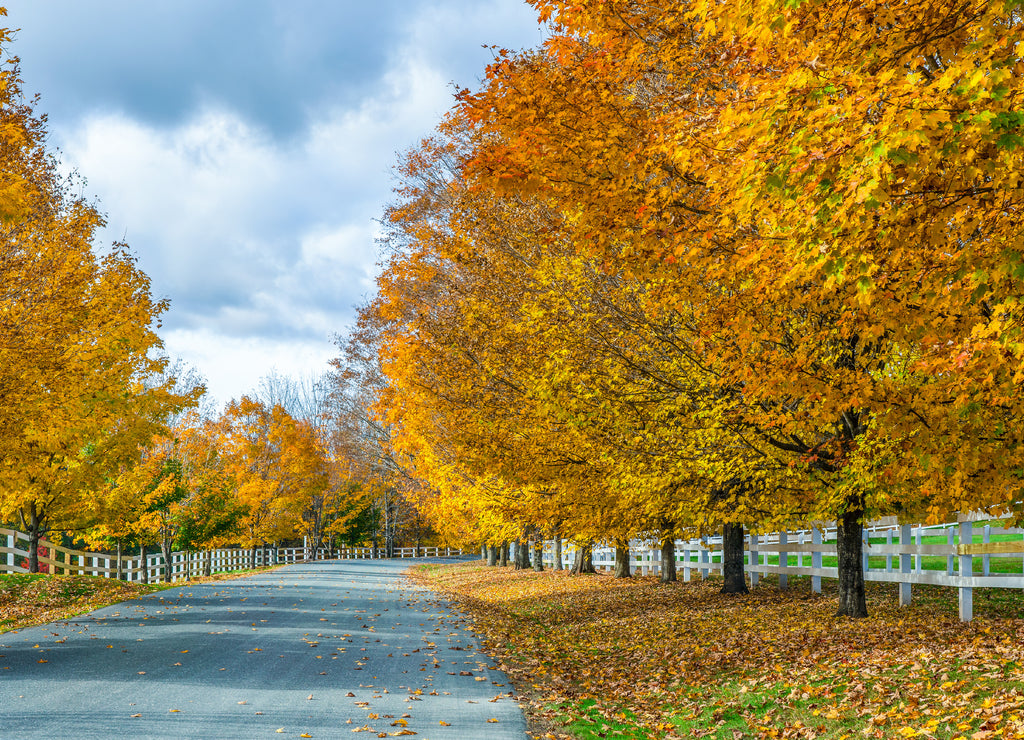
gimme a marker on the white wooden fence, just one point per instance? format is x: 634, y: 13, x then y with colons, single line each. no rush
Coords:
x: 66, y: 561
x: 969, y: 552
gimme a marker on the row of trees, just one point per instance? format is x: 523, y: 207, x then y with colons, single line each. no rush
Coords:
x: 699, y: 266
x: 104, y: 439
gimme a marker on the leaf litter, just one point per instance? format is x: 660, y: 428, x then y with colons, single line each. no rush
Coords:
x: 602, y: 657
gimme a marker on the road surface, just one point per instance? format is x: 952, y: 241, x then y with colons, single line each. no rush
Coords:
x: 320, y: 650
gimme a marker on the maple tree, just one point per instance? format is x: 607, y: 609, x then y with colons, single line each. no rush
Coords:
x: 761, y: 175
x: 78, y: 351
x: 253, y: 440
x: 522, y: 365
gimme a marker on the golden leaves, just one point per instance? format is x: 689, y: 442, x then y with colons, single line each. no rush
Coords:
x: 689, y: 657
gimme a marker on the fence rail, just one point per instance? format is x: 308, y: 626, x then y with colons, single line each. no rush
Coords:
x: 67, y: 561
x: 967, y: 557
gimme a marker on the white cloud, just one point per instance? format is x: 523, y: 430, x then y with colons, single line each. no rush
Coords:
x: 233, y: 366
x: 265, y: 244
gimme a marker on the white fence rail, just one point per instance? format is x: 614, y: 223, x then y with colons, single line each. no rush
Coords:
x: 61, y: 560
x: 970, y: 557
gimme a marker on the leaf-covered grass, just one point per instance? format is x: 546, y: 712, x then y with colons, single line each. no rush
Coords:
x: 601, y: 657
x: 29, y: 599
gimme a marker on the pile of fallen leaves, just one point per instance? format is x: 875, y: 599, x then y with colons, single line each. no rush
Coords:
x: 28, y: 599
x: 602, y: 657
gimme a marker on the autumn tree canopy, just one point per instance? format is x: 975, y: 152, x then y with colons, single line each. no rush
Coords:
x: 707, y: 264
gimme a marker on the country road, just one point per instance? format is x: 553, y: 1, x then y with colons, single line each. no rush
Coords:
x: 318, y: 650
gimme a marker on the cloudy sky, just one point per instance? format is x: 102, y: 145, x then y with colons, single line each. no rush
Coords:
x: 243, y: 148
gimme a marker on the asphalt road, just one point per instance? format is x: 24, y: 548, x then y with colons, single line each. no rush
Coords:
x: 322, y: 650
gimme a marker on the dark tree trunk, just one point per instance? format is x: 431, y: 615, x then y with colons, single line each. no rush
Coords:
x: 584, y: 563
x: 143, y: 564
x: 522, y: 555
x: 35, y: 530
x: 849, y: 545
x: 492, y: 555
x: 503, y: 555
x: 538, y: 554
x: 208, y: 567
x: 165, y: 550
x: 252, y: 558
x: 622, y: 559
x: 668, y: 559
x: 732, y: 559
x: 118, y: 571
x: 558, y: 551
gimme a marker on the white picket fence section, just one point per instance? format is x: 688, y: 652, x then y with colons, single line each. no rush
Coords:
x: 66, y: 561
x: 902, y: 549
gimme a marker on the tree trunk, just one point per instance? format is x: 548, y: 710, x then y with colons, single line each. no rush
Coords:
x: 538, y: 554
x: 492, y: 555
x: 208, y: 567
x: 849, y: 545
x: 34, y: 528
x: 165, y: 550
x: 668, y: 559
x: 252, y: 558
x: 118, y: 570
x: 558, y: 551
x: 732, y: 559
x: 503, y: 555
x: 522, y: 555
x: 622, y: 559
x: 144, y: 565
x: 584, y: 563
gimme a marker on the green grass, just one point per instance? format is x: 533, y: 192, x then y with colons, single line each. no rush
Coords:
x: 1007, y: 564
x: 586, y: 722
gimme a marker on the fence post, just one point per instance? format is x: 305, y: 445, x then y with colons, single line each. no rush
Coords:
x: 704, y: 556
x: 865, y: 538
x: 966, y: 571
x: 755, y: 561
x: 986, y: 532
x: 10, y: 553
x: 888, y: 556
x: 783, y: 558
x: 950, y: 559
x: 905, y: 565
x: 816, y: 559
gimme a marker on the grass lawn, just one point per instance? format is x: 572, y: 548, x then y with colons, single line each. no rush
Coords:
x: 28, y: 599
x: 598, y: 657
